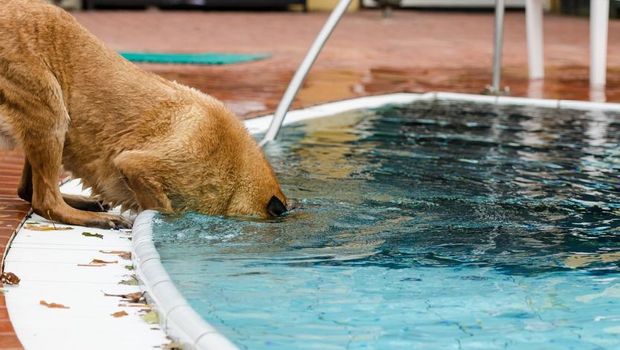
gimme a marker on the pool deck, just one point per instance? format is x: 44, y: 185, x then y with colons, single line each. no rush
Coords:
x: 72, y: 282
x: 415, y: 51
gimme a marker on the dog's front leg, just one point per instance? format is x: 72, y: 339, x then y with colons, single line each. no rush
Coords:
x: 42, y: 128
x: 78, y: 202
x: 45, y: 156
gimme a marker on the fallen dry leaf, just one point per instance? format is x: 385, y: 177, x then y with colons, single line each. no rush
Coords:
x: 52, y: 305
x: 141, y: 304
x: 130, y: 282
x: 90, y: 234
x: 134, y: 297
x: 172, y: 346
x: 99, y: 261
x: 131, y: 297
x: 9, y: 278
x: 119, y: 314
x: 151, y: 317
x: 38, y: 227
x: 120, y: 253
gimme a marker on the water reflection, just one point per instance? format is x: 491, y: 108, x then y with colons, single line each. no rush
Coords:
x: 518, y: 189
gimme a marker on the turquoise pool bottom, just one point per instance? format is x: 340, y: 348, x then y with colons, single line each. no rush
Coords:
x: 430, y: 226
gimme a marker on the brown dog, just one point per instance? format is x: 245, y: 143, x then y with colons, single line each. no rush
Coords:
x: 136, y: 139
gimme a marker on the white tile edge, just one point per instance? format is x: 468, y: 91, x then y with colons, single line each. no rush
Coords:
x: 186, y: 326
x: 260, y: 124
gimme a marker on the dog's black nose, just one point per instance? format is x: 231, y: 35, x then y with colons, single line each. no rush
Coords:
x: 275, y: 207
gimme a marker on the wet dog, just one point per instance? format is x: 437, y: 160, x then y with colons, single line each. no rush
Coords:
x: 136, y: 139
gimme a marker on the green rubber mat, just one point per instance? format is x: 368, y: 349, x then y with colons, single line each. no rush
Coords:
x: 192, y: 58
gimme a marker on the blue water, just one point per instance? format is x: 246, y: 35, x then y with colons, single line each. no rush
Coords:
x: 429, y: 226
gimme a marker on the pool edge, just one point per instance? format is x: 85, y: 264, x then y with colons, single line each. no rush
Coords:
x: 178, y: 319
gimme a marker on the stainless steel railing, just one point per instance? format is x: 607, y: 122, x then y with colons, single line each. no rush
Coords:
x: 321, y: 39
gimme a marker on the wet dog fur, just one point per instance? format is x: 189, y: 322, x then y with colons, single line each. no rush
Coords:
x: 136, y: 139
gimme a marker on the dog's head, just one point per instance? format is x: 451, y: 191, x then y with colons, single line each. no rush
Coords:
x: 208, y: 164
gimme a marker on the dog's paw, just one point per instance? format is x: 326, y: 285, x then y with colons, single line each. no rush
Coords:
x: 119, y: 222
x: 108, y: 221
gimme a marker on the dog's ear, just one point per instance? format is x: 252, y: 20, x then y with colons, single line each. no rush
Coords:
x: 275, y: 207
x: 142, y: 171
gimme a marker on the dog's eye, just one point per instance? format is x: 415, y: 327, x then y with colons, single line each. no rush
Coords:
x: 275, y: 207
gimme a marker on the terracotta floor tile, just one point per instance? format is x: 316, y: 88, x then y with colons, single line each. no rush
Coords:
x: 4, y: 313
x: 6, y: 327
x: 9, y: 340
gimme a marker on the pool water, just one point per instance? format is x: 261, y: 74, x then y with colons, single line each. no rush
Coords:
x: 430, y: 226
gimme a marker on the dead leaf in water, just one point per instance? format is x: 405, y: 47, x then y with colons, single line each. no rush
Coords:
x: 9, y: 278
x: 38, y: 227
x: 90, y: 234
x: 119, y: 314
x: 53, y: 305
x: 120, y: 253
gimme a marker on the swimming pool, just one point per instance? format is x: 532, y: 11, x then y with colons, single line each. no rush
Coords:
x: 435, y: 225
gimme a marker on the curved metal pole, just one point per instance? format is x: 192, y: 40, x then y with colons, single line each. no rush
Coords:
x: 302, y: 71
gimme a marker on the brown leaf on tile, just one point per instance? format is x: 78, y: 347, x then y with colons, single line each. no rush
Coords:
x: 99, y: 261
x: 9, y: 278
x: 134, y: 297
x: 141, y: 304
x: 119, y: 314
x: 172, y: 345
x: 120, y: 253
x: 53, y: 305
x: 37, y: 227
x: 131, y: 297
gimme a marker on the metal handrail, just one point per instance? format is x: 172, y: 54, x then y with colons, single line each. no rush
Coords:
x: 302, y: 71
x: 321, y: 39
x: 498, y: 44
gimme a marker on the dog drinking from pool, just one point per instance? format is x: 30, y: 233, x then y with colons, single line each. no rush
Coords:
x: 136, y: 139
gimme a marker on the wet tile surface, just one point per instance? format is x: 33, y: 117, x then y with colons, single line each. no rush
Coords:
x: 12, y: 212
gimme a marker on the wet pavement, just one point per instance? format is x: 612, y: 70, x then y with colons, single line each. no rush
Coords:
x: 414, y: 51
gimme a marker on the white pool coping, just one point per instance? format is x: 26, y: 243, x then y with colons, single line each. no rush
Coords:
x: 178, y: 319
x: 260, y: 124
x: 46, y: 260
x: 54, y: 267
